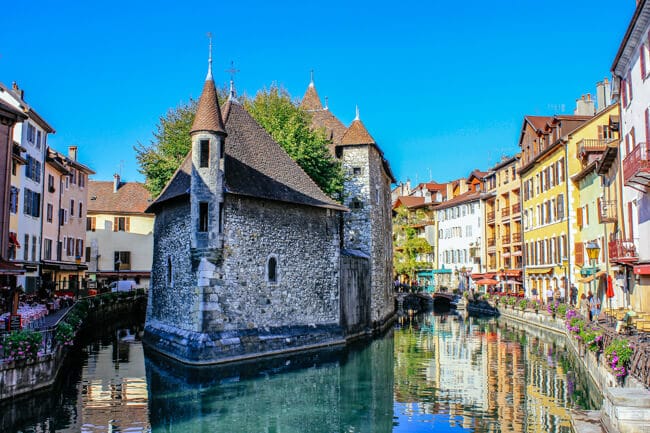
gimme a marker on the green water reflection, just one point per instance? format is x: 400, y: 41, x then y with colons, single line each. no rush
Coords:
x: 432, y: 373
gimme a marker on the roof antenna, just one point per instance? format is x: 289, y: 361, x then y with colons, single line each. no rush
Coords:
x: 357, y: 116
x: 209, y: 76
x: 311, y: 81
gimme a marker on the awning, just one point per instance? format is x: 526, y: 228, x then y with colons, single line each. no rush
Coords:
x: 539, y: 271
x: 642, y: 269
x: 63, y: 266
x: 8, y: 268
x: 441, y: 271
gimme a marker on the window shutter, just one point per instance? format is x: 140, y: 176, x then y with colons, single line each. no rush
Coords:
x: 127, y: 224
x: 600, y: 132
x: 115, y: 224
x: 579, y: 217
x: 599, y: 209
x: 642, y: 60
x: 647, y: 125
x: 630, y: 95
x: 624, y: 93
x: 93, y: 224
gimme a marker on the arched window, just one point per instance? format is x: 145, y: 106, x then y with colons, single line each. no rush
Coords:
x: 272, y: 270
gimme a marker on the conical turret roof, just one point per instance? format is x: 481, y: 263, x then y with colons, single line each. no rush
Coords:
x: 208, y: 114
x: 357, y: 134
x: 311, y: 100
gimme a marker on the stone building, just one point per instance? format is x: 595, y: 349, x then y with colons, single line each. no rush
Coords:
x: 247, y: 258
x: 367, y: 191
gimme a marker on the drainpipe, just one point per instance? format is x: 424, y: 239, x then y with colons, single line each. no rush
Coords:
x: 569, y: 238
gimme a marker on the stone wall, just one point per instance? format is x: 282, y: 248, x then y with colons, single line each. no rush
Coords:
x: 368, y: 228
x: 173, y: 302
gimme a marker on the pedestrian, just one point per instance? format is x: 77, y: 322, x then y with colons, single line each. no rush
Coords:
x: 534, y: 293
x: 549, y: 295
x: 594, y: 305
x: 584, y: 305
x: 574, y: 294
x: 556, y: 295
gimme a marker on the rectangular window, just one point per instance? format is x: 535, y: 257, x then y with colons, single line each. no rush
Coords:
x: 32, y: 203
x: 122, y: 260
x: 87, y: 254
x: 49, y: 212
x: 91, y: 224
x: 26, y: 250
x: 204, y: 153
x: 13, y: 200
x: 79, y: 248
x: 121, y: 224
x: 71, y: 208
x: 81, y: 208
x: 203, y: 216
x: 82, y: 179
x: 34, y: 243
x: 50, y: 183
x: 356, y: 171
x: 38, y: 139
x: 48, y: 249
x: 73, y: 176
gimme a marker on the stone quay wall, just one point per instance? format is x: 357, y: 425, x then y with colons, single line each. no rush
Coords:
x: 626, y: 403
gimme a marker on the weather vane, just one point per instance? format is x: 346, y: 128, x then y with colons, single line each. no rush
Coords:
x: 232, y: 71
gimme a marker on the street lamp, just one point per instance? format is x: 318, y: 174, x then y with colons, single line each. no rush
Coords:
x: 593, y: 250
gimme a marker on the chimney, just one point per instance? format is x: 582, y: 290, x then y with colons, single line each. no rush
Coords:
x: 585, y: 106
x: 72, y: 152
x: 15, y: 88
x: 116, y: 182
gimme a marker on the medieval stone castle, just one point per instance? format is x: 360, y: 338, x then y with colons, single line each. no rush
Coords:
x: 251, y: 258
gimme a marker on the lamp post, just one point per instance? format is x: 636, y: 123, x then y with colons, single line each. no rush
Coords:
x: 565, y: 262
x: 593, y: 250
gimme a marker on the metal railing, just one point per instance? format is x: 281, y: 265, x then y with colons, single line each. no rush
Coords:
x: 636, y: 163
x: 622, y: 249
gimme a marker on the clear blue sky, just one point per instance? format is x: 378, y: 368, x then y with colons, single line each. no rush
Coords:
x: 442, y: 86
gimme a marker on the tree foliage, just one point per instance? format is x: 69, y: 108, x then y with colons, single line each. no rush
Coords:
x: 408, y: 248
x: 287, y: 123
x: 171, y: 142
x: 290, y: 126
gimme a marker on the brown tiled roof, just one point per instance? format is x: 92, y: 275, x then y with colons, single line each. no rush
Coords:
x: 131, y: 197
x: 539, y: 122
x: 208, y: 115
x: 255, y: 165
x: 357, y: 134
x: 461, y: 198
x: 311, y: 100
x: 408, y: 201
x: 334, y: 128
x: 478, y: 174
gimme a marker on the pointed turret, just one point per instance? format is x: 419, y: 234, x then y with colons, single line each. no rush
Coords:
x: 357, y: 133
x: 311, y: 101
x: 208, y: 114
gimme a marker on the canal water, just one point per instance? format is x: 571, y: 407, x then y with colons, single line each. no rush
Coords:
x: 431, y: 372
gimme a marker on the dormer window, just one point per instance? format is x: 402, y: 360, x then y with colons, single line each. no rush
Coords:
x: 204, y: 158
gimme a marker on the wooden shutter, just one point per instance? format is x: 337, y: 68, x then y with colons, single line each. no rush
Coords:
x: 600, y: 132
x: 599, y: 209
x: 579, y: 217
x: 630, y: 95
x: 116, y: 222
x: 586, y: 216
x: 127, y: 224
x: 630, y: 220
x: 580, y: 254
x: 642, y: 60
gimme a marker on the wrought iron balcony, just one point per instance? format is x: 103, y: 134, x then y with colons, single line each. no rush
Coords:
x: 490, y: 216
x: 505, y: 212
x: 491, y: 242
x: 607, y: 211
x: 636, y: 166
x: 623, y: 250
x: 516, y: 237
x: 505, y: 240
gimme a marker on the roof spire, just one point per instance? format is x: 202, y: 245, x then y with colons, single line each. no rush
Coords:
x: 232, y: 95
x: 327, y: 106
x: 357, y: 116
x: 209, y: 76
x: 311, y: 81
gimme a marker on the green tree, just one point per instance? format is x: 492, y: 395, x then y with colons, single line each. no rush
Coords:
x: 171, y: 142
x: 273, y: 109
x: 408, y: 248
x: 290, y: 126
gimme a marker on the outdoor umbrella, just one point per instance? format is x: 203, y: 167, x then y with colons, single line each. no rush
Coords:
x: 610, y: 292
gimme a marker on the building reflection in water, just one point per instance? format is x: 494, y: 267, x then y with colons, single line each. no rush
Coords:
x: 484, y: 376
x: 348, y: 390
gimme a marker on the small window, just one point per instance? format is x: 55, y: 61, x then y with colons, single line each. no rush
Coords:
x: 205, y: 154
x: 81, y: 208
x: 356, y: 204
x: 356, y: 171
x: 203, y: 216
x: 91, y: 224
x: 170, y: 281
x: 71, y: 207
x: 272, y: 270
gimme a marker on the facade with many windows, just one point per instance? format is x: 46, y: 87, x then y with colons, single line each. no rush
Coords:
x: 119, y: 233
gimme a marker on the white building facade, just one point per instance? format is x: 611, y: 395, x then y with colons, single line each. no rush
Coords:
x: 460, y: 234
x: 631, y: 70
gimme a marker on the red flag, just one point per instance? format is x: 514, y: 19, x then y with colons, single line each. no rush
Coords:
x: 610, y: 287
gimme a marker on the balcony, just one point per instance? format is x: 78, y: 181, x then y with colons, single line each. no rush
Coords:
x: 607, y: 211
x: 622, y: 251
x: 516, y: 237
x: 636, y: 166
x: 516, y: 208
x: 505, y: 212
x: 491, y: 242
x: 505, y: 240
x: 592, y: 145
x: 490, y: 217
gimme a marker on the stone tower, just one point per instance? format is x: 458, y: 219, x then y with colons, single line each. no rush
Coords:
x: 206, y: 188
